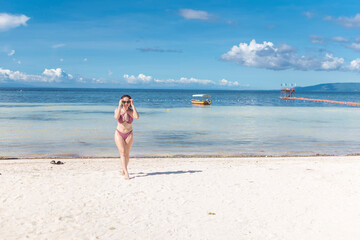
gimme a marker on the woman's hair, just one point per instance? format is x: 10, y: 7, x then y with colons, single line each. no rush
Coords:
x: 124, y: 96
x: 128, y: 96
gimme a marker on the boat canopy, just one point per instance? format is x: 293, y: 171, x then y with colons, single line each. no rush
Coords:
x: 201, y: 95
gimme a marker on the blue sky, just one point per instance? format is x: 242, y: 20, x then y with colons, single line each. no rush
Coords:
x: 236, y: 45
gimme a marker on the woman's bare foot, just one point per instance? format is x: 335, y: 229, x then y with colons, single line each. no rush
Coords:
x: 127, y: 176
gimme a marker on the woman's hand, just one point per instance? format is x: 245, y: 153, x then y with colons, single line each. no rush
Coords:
x: 134, y: 113
x: 120, y: 103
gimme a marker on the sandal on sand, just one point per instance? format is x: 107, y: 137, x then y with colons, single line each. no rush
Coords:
x: 57, y: 163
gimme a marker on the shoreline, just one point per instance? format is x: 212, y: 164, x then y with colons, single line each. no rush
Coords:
x: 183, y: 156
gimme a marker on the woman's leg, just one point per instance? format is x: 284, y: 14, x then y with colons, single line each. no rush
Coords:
x: 128, y: 144
x: 120, y: 143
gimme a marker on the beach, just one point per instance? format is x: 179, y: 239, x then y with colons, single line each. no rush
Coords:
x: 181, y: 198
x: 241, y: 120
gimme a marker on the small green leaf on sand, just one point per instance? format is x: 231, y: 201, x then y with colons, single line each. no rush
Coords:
x: 211, y: 213
x: 112, y: 228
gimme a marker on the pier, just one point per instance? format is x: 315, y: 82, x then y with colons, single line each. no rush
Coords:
x: 289, y: 94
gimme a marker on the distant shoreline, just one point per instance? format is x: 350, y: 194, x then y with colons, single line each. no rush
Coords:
x: 348, y: 87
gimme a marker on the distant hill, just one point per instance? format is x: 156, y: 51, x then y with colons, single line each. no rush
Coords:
x: 331, y: 87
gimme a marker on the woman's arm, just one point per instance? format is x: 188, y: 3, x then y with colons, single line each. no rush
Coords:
x: 117, y: 111
x: 134, y: 112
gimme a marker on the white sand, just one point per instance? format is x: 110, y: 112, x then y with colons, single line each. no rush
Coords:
x: 252, y: 198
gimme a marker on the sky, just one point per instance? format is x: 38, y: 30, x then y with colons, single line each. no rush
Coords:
x: 214, y: 44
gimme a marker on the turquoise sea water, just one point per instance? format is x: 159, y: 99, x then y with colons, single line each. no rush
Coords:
x: 79, y: 122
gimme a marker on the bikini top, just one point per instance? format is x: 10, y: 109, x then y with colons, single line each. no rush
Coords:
x: 122, y: 120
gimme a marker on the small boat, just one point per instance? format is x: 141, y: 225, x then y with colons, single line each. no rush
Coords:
x: 201, y: 99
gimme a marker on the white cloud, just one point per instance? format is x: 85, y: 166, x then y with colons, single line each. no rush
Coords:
x: 266, y: 55
x: 141, y: 78
x: 19, y: 62
x: 159, y: 50
x: 224, y: 82
x: 166, y: 80
x: 12, y: 52
x: 332, y: 63
x: 339, y: 39
x: 184, y: 80
x: 355, y: 46
x: 321, y: 40
x: 316, y: 39
x: 195, y: 80
x: 348, y: 22
x: 6, y: 74
x: 61, y: 60
x: 8, y: 21
x: 130, y: 79
x: 355, y: 65
x: 56, y: 75
x: 58, y: 45
x: 144, y: 78
x: 98, y: 80
x: 85, y: 59
x: 110, y: 73
x: 49, y: 75
x: 308, y: 14
x: 229, y: 22
x: 194, y: 14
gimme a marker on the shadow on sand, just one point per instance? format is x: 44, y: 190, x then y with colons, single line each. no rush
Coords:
x: 141, y: 174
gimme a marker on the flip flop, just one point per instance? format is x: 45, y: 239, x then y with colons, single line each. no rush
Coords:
x: 57, y: 163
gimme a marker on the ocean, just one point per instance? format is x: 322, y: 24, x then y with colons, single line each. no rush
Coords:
x: 41, y: 123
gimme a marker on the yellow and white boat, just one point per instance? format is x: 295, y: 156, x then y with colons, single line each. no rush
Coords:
x: 201, y: 99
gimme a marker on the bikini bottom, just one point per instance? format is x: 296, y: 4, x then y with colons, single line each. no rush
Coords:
x: 124, y: 135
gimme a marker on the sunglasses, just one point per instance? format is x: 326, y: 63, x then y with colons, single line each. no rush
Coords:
x: 126, y: 102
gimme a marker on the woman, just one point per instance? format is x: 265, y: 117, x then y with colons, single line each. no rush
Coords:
x: 124, y: 132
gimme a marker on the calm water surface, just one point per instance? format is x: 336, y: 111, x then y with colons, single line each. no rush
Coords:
x: 79, y: 122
